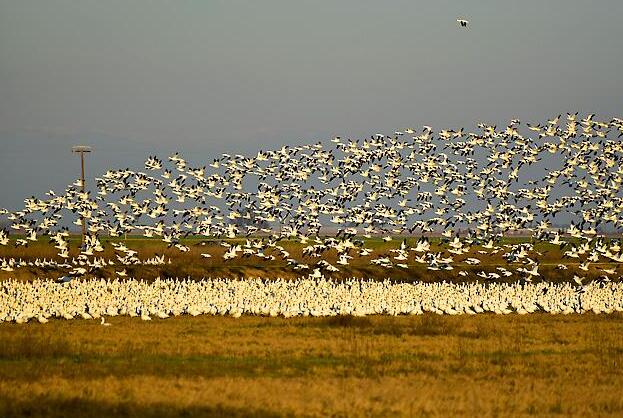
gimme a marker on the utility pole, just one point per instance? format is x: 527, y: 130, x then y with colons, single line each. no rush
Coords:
x: 81, y: 149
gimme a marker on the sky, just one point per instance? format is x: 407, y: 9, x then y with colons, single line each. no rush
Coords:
x: 137, y: 78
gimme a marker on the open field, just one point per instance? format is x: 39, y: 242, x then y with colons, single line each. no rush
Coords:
x: 191, y: 264
x: 425, y: 365
x: 484, y: 365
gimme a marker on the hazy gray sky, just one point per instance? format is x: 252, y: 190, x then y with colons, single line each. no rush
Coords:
x: 206, y: 77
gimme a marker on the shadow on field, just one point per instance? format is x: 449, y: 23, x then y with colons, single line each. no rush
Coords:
x: 75, y: 407
x: 421, y: 325
x: 34, y: 346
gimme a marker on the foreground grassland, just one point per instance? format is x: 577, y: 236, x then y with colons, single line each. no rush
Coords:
x: 485, y: 365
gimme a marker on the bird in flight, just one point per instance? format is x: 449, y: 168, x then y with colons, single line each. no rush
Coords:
x: 462, y: 22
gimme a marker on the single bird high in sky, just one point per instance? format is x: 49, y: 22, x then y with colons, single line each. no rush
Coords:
x: 162, y: 77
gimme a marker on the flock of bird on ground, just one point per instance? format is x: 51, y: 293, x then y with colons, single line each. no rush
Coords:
x: 41, y: 300
x: 470, y: 188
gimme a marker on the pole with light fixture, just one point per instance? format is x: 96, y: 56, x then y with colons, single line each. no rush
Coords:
x: 81, y: 149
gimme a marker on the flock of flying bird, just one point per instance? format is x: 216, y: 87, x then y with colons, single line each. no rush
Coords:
x: 471, y: 188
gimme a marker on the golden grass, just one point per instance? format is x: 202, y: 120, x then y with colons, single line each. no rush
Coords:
x: 484, y: 365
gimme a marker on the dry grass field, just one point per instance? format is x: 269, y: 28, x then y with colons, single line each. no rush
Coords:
x: 435, y: 366
x: 431, y: 366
